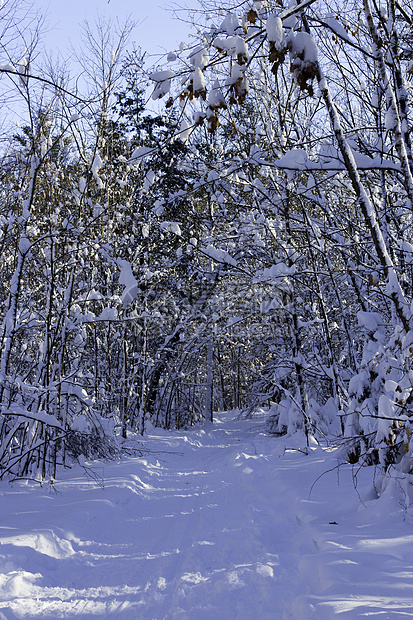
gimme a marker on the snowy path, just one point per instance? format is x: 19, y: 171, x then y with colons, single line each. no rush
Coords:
x: 209, y: 524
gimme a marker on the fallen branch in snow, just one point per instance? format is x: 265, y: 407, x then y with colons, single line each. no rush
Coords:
x: 91, y: 473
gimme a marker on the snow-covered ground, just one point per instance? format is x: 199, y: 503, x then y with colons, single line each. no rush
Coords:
x: 217, y: 523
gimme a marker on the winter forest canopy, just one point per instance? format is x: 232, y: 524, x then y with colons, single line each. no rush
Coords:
x: 251, y: 246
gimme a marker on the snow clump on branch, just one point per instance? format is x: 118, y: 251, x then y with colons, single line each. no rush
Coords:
x: 303, y: 60
x: 163, y: 82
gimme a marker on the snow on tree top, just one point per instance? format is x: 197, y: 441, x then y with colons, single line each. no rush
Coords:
x: 172, y: 227
x: 230, y: 23
x: 161, y: 76
x: 371, y: 321
x: 296, y: 158
x: 304, y: 46
x: 220, y: 256
x: 216, y: 98
x: 333, y: 23
x: 236, y: 45
x: 141, y: 152
x: 274, y: 29
x: 199, y: 57
x: 277, y: 271
x: 128, y: 280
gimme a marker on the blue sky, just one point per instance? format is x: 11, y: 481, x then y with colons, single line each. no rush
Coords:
x: 155, y: 33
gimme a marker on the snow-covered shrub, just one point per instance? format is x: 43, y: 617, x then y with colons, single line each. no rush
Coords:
x: 284, y: 418
x: 378, y: 421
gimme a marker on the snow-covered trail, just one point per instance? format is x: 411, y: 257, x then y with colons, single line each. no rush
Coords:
x: 208, y: 524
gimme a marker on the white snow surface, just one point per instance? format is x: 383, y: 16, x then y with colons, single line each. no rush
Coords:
x: 220, y: 523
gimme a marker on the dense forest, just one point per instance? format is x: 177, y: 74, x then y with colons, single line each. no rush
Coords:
x: 250, y: 246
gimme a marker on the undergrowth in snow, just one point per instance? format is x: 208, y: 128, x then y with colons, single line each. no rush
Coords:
x: 222, y: 522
